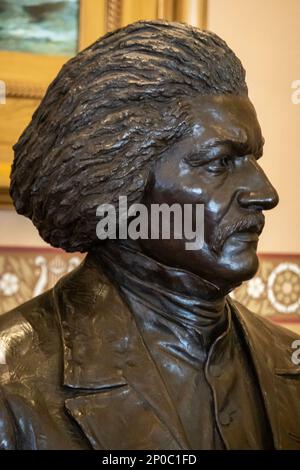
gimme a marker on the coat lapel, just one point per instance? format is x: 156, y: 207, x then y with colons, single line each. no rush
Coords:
x: 119, y: 399
x: 279, y: 378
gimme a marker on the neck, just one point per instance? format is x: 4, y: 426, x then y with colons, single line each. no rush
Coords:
x: 178, y: 293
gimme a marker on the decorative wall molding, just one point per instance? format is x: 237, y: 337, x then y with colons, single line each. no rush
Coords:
x: 28, y: 272
x: 275, y: 290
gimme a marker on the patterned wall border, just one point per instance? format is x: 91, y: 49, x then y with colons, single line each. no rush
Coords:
x: 274, y: 292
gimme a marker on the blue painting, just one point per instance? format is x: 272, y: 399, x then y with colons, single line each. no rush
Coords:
x: 38, y: 26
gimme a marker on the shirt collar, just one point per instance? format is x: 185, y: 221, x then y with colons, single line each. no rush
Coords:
x: 176, y: 294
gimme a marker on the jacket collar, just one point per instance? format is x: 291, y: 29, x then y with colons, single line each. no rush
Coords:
x: 103, y: 351
x: 94, y: 327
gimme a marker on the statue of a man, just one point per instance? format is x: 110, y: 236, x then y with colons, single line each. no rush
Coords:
x: 141, y: 347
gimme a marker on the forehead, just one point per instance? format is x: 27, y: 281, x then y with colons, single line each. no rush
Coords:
x: 224, y: 117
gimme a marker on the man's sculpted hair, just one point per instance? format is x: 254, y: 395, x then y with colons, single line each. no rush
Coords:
x: 111, y: 111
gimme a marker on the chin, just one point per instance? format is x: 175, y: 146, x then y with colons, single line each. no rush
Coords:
x: 240, y: 268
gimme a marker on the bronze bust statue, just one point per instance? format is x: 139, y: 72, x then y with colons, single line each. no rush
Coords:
x: 141, y: 347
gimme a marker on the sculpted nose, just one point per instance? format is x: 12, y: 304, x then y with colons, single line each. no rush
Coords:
x: 259, y: 193
x: 262, y: 200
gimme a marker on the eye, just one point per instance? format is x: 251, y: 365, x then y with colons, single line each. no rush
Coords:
x: 220, y: 165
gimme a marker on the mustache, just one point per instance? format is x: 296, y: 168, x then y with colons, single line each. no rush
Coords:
x: 251, y: 223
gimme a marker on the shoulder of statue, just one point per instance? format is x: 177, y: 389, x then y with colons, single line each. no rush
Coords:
x: 271, y: 342
x: 263, y: 328
x: 28, y: 334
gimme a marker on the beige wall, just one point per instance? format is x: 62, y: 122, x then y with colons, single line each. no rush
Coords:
x: 16, y: 230
x: 265, y: 34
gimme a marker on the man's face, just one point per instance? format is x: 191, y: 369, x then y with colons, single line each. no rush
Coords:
x: 216, y: 166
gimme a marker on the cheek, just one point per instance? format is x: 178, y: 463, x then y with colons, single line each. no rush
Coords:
x: 183, y: 187
x: 216, y: 200
x: 217, y: 207
x: 214, y: 208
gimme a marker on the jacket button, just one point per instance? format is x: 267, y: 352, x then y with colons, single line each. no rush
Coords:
x: 225, y: 418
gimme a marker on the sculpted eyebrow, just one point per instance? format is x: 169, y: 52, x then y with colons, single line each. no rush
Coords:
x: 216, y: 148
